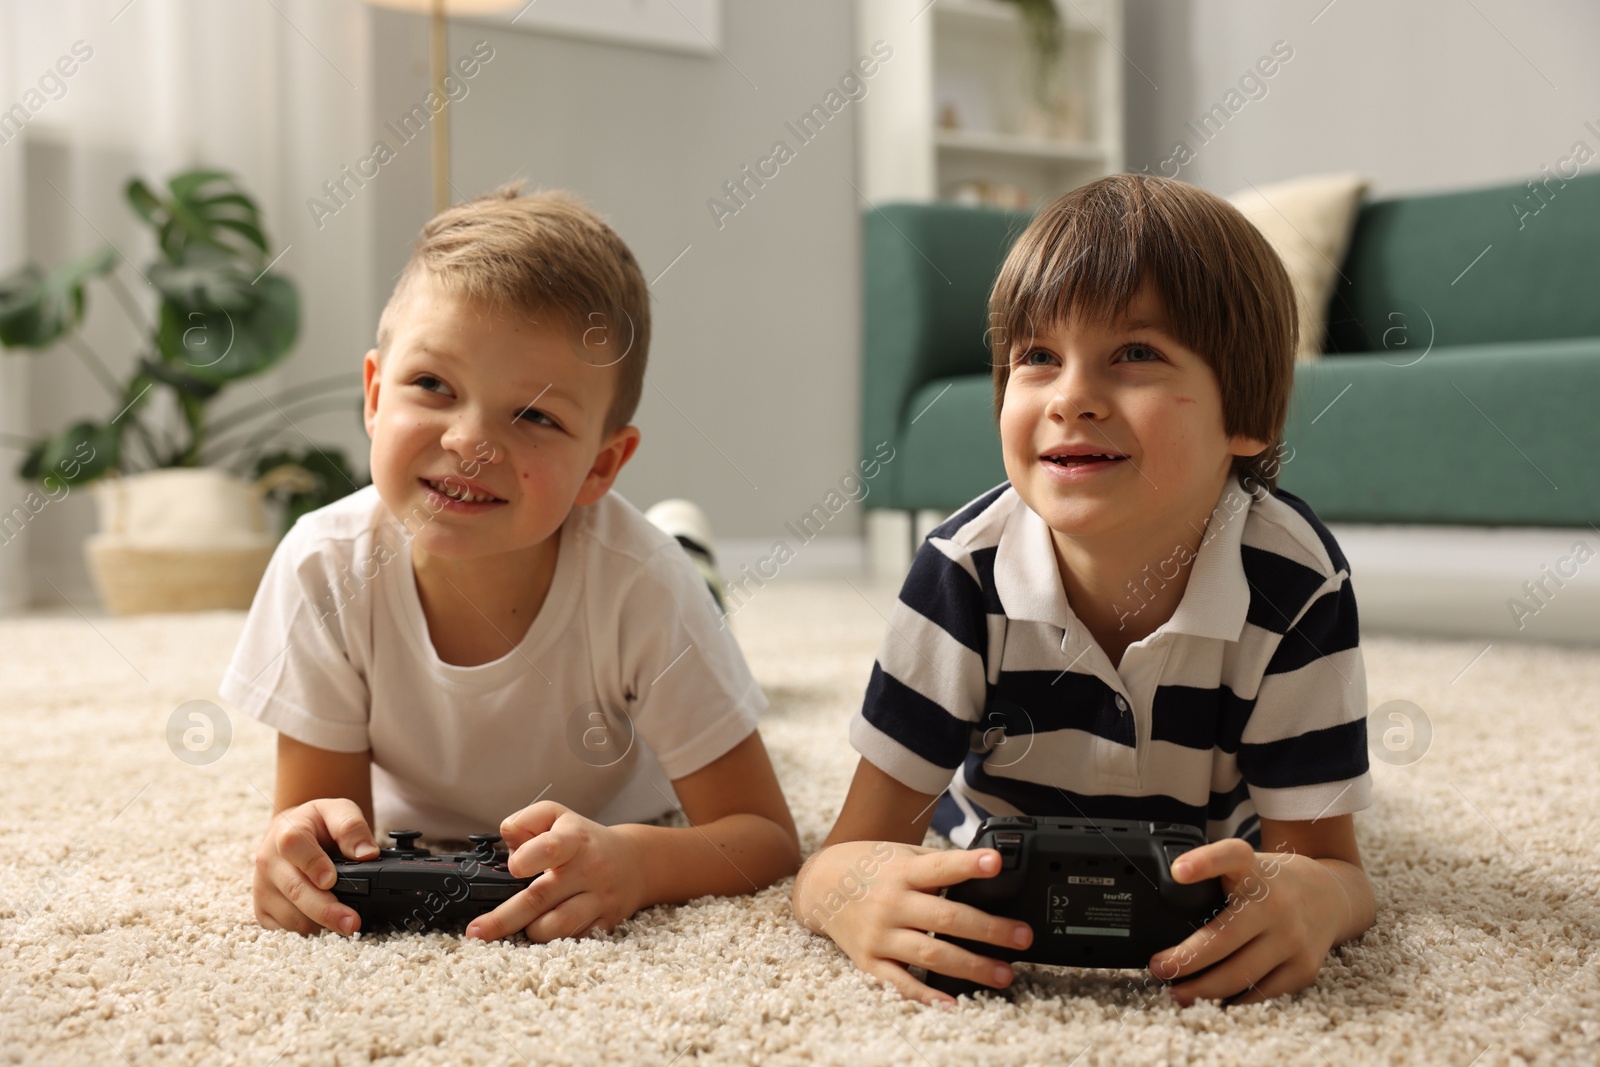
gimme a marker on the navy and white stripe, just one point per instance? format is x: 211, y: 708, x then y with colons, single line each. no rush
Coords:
x: 1250, y: 701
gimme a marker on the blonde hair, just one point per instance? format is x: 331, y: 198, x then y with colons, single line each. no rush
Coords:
x: 1226, y: 294
x: 547, y: 254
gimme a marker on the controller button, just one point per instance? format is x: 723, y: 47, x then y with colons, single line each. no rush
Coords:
x: 491, y: 891
x: 1009, y: 844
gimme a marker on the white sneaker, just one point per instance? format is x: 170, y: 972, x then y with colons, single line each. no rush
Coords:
x: 683, y: 520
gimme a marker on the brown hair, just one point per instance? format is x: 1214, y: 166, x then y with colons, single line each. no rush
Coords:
x: 542, y: 254
x: 1226, y: 294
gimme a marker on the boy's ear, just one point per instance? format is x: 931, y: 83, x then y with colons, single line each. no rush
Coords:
x: 371, y: 375
x: 618, y: 448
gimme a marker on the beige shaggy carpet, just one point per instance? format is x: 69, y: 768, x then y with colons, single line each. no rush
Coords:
x: 126, y: 932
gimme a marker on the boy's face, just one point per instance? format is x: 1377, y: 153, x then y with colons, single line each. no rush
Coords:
x: 1128, y: 389
x: 471, y: 398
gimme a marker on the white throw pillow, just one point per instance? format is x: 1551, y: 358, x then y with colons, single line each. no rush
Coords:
x: 1308, y: 223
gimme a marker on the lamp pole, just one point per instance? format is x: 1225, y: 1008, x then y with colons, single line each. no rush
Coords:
x: 441, y: 121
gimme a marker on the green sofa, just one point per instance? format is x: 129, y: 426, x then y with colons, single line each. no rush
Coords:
x: 1460, y: 383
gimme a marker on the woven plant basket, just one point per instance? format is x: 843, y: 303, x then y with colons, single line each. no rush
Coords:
x: 138, y: 581
x: 182, y: 539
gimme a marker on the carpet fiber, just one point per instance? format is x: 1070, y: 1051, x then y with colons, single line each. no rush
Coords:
x: 126, y: 931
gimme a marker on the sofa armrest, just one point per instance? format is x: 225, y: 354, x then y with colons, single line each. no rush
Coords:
x: 927, y: 270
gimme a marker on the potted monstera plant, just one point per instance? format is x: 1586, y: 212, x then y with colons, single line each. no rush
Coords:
x: 183, y: 525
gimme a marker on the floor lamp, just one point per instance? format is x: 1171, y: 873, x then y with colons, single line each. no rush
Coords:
x: 438, y: 11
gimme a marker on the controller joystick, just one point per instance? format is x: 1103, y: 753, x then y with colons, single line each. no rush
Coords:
x: 405, y: 845
x: 485, y: 846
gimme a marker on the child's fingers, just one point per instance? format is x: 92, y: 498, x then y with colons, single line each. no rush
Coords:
x: 930, y: 953
x: 302, y: 897
x: 546, y: 892
x: 899, y: 979
x: 1236, y: 974
x: 1233, y: 856
x: 571, y: 918
x: 300, y: 845
x: 1229, y: 930
x: 275, y: 912
x: 1287, y: 977
x: 921, y: 911
x: 550, y: 849
x: 935, y: 870
x: 347, y: 827
x: 530, y: 822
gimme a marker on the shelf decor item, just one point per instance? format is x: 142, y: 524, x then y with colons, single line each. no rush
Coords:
x: 1022, y: 98
x: 1041, y: 24
x: 183, y: 526
x: 1057, y: 113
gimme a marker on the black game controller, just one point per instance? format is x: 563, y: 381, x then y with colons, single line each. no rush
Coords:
x: 1097, y: 894
x: 411, y: 888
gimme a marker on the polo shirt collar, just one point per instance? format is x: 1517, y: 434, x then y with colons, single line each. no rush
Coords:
x: 1214, y: 604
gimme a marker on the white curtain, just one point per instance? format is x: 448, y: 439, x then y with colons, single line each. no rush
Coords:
x: 278, y: 92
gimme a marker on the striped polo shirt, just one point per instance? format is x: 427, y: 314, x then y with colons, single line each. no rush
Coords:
x: 1250, y: 701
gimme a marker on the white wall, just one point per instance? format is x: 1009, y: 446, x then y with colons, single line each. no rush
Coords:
x: 1420, y: 96
x: 751, y: 398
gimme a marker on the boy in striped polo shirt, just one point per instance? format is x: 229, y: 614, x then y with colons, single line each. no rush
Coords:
x: 1137, y: 625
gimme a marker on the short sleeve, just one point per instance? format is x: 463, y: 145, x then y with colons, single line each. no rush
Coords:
x: 292, y: 667
x: 1303, y: 751
x: 690, y: 694
x: 926, y: 694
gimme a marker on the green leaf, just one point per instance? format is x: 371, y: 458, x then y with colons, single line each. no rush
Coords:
x: 32, y: 463
x: 183, y: 185
x: 177, y: 377
x: 205, y: 208
x: 328, y: 466
x: 219, y: 346
x: 249, y: 231
x: 22, y: 309
x: 143, y: 200
x: 204, y: 282
x: 79, y: 454
x: 37, y: 309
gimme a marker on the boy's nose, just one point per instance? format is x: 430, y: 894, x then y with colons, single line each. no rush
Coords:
x: 470, y: 435
x: 1074, y: 396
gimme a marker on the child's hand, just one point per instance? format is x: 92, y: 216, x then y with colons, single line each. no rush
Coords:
x: 592, y: 877
x: 879, y: 902
x: 293, y: 874
x: 1282, y: 917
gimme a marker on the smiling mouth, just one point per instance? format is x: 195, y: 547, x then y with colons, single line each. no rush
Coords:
x: 1080, y: 461
x: 460, y: 493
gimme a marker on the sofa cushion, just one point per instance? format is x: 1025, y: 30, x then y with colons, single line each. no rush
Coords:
x: 949, y: 445
x: 1474, y: 267
x: 1308, y: 222
x: 1484, y: 434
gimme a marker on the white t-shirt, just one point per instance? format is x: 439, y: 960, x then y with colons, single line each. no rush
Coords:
x: 624, y: 681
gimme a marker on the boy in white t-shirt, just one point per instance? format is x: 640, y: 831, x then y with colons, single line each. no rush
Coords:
x: 488, y: 636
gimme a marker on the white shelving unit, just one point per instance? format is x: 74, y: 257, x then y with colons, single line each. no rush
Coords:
x: 954, y: 112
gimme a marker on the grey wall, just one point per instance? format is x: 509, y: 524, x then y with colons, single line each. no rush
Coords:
x: 750, y: 405
x: 1423, y: 95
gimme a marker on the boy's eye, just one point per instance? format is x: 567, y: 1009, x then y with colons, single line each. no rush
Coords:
x: 536, y: 417
x: 1036, y: 357
x: 1132, y: 351
x: 426, y: 381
